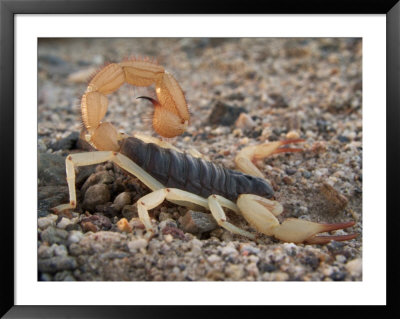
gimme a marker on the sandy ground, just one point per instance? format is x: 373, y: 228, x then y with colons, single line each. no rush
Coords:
x: 306, y: 88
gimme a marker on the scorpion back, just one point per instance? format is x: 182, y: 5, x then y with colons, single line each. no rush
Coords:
x: 183, y: 171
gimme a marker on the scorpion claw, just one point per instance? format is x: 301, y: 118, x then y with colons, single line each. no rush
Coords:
x: 248, y: 156
x: 301, y: 231
x: 321, y: 240
x: 324, y: 239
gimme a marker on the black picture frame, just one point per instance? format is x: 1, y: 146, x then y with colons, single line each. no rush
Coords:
x: 8, y: 10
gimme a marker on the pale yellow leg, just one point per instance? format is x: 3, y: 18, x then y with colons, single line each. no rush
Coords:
x: 246, y: 158
x: 90, y: 158
x: 215, y: 204
x: 155, y: 198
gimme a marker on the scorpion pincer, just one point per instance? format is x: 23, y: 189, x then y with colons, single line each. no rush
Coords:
x: 182, y: 178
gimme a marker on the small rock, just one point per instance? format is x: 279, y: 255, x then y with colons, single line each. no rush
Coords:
x: 137, y: 244
x: 64, y: 222
x: 99, y: 220
x: 288, y: 180
x: 213, y: 259
x: 54, y: 235
x: 224, y: 114
x: 102, y: 177
x: 334, y: 201
x: 197, y: 222
x: 173, y: 231
x: 60, y: 250
x: 121, y: 200
x: 168, y: 238
x: 57, y: 263
x: 234, y: 272
x: 354, y: 267
x: 51, y: 169
x: 244, y: 121
x: 277, y: 100
x: 65, y: 275
x: 44, y: 251
x: 67, y: 143
x: 229, y: 250
x: 292, y: 135
x: 89, y: 226
x: 49, y: 220
x: 74, y: 236
x: 124, y: 226
x: 130, y: 211
x: 246, y: 249
x: 96, y: 195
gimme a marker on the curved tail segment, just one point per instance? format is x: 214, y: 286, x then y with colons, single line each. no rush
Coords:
x: 171, y: 114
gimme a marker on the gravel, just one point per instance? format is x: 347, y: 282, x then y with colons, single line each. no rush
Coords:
x: 240, y: 92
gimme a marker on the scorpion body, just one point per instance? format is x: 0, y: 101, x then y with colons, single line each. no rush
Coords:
x: 195, y: 175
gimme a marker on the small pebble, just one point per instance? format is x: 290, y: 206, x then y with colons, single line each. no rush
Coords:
x: 137, y: 244
x: 74, y: 236
x: 49, y: 220
x: 124, y: 226
x: 168, y: 238
x: 354, y: 267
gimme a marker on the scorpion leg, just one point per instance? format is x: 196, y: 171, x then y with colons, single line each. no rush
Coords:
x: 260, y: 215
x: 81, y: 159
x: 215, y: 203
x: 91, y: 158
x: 245, y: 160
x: 155, y: 198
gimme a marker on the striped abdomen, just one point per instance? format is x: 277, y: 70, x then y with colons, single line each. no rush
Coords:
x: 195, y: 175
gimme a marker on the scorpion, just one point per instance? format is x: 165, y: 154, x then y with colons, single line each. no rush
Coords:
x: 184, y: 178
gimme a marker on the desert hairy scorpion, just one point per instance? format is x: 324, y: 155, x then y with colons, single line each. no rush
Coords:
x: 182, y: 178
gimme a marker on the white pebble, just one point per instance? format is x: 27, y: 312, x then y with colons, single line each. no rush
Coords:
x: 63, y: 223
x: 212, y: 259
x: 354, y: 267
x: 75, y: 236
x: 168, y: 238
x: 49, y: 220
x: 137, y: 244
x: 229, y: 250
x: 60, y: 250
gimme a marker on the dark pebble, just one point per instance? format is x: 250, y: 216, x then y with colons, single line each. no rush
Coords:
x: 343, y: 139
x: 57, y: 263
x: 51, y: 59
x: 51, y: 169
x: 311, y: 261
x: 224, y: 114
x: 130, y: 211
x: 290, y: 171
x: 306, y: 174
x: 49, y: 197
x: 197, y: 222
x: 67, y: 143
x: 100, y: 221
x: 266, y: 267
x: 236, y: 96
x: 54, y: 235
x: 279, y: 101
x: 73, y: 227
x: 336, y: 246
x: 96, y: 195
x: 338, y: 276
